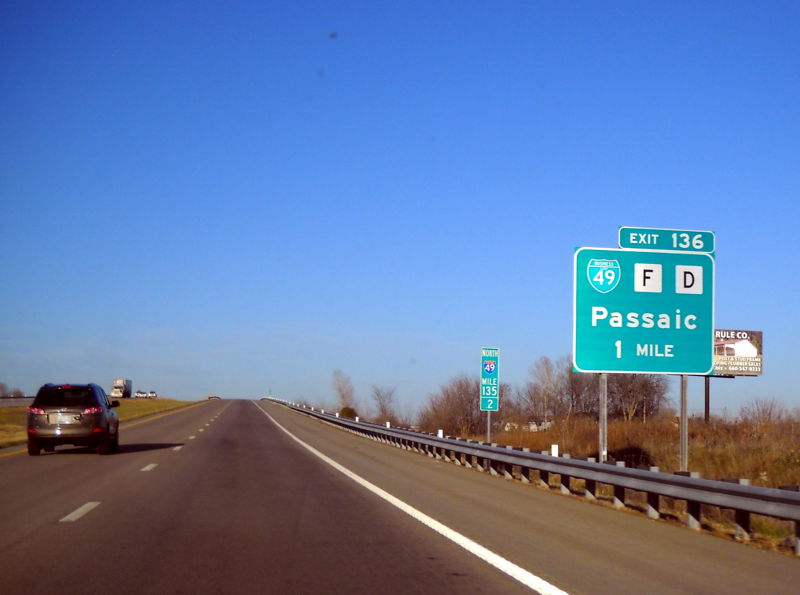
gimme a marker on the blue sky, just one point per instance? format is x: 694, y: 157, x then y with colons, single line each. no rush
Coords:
x: 242, y: 197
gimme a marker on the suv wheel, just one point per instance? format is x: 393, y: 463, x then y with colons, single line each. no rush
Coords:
x: 33, y: 448
x: 106, y: 446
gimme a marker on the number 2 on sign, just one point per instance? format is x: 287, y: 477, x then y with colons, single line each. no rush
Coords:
x: 618, y: 345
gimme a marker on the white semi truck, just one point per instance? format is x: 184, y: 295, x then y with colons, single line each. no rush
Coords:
x: 122, y: 389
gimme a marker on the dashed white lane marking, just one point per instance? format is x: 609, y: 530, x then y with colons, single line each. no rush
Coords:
x: 150, y: 467
x: 528, y: 579
x: 200, y: 430
x: 177, y: 448
x: 192, y: 437
x: 79, y: 512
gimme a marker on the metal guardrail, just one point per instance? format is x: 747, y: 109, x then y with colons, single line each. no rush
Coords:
x: 517, y: 463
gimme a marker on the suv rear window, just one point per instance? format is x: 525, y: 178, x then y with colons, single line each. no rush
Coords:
x: 58, y: 396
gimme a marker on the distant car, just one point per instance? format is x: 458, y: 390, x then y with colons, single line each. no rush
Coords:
x: 212, y: 397
x: 152, y: 395
x: 140, y: 394
x: 78, y: 414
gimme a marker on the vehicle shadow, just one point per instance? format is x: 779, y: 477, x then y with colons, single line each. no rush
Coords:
x: 123, y: 448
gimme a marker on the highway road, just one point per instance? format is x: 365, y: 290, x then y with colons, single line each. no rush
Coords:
x: 234, y: 497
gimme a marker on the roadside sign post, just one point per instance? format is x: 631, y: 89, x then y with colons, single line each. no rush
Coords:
x: 602, y: 451
x: 684, y: 429
x: 646, y: 308
x: 490, y: 385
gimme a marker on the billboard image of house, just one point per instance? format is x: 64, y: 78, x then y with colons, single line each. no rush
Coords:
x: 738, y: 353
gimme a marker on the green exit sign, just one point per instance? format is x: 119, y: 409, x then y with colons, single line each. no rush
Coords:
x: 490, y: 379
x: 643, y: 311
x: 674, y: 240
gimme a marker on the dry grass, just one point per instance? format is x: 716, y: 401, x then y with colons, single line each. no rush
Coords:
x: 768, y: 454
x: 14, y: 419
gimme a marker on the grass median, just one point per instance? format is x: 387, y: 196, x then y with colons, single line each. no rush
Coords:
x: 14, y: 419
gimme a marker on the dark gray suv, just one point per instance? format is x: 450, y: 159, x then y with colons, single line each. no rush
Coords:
x: 79, y: 414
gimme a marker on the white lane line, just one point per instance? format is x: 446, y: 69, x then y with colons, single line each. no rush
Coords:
x: 79, y: 512
x: 191, y: 437
x: 149, y: 467
x: 177, y: 448
x: 528, y: 579
x: 200, y: 430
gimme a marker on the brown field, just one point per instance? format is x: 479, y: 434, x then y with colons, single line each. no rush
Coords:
x: 766, y: 453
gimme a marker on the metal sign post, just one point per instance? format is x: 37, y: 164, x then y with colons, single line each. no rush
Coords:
x: 684, y: 450
x: 602, y: 451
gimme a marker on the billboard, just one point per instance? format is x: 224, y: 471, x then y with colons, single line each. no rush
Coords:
x: 738, y: 353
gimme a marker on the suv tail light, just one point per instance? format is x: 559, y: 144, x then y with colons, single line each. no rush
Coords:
x: 89, y: 410
x: 36, y: 410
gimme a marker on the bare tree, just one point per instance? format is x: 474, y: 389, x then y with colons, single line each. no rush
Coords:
x: 762, y: 412
x: 636, y: 395
x: 581, y: 390
x: 383, y: 396
x: 344, y: 390
x: 545, y: 394
x: 546, y: 379
x: 454, y: 409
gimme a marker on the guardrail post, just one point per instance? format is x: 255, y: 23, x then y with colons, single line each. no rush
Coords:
x: 653, y: 505
x: 797, y: 538
x: 508, y: 472
x: 693, y: 515
x: 742, y: 517
x: 619, y: 491
x: 564, y: 480
x: 794, y: 488
x: 653, y: 510
x: 469, y: 460
x: 590, y: 485
x: 742, y: 525
x: 590, y: 489
x: 491, y: 464
x: 692, y: 507
x: 525, y: 472
x: 446, y: 454
x: 544, y: 476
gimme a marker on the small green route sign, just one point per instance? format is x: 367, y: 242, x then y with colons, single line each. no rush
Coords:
x: 673, y: 240
x: 490, y: 379
x: 643, y: 311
